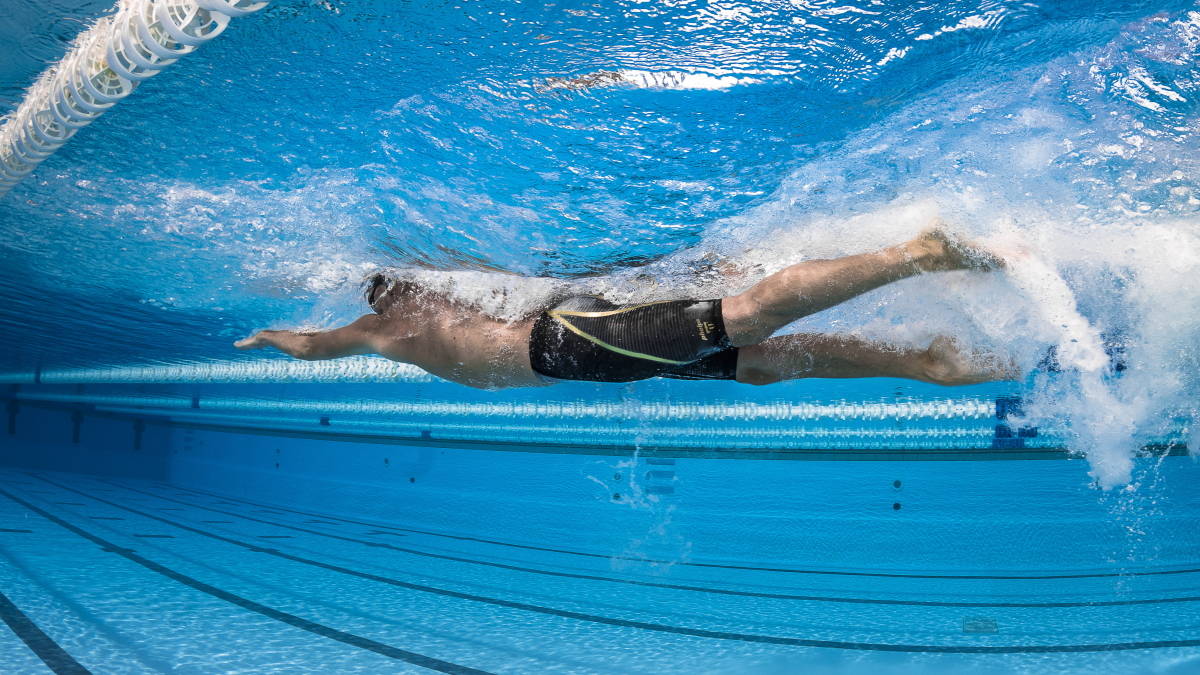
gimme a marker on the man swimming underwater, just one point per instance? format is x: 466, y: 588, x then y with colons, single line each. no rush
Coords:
x: 588, y: 338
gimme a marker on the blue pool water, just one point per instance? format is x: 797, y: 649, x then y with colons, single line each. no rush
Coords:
x: 168, y: 504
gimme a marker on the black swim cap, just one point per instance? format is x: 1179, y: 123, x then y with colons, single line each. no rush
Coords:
x: 373, y: 289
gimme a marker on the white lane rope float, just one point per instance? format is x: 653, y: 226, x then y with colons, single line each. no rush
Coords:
x: 354, y: 369
x: 104, y: 65
x: 960, y: 410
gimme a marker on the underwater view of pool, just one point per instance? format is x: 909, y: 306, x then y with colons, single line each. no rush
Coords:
x: 171, y: 504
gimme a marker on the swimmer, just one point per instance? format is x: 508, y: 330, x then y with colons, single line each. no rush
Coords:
x: 730, y: 338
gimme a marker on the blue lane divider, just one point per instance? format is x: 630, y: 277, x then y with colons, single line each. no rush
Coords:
x: 1005, y: 436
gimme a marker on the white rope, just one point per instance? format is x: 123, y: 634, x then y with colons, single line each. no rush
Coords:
x: 360, y: 369
x: 631, y: 411
x: 599, y: 433
x: 104, y: 65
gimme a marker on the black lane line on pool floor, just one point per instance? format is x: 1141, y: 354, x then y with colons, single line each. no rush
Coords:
x: 269, y: 612
x: 782, y: 570
x: 54, y: 656
x: 653, y: 584
x: 611, y: 621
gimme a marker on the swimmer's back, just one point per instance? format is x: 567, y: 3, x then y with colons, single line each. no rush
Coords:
x: 456, y: 341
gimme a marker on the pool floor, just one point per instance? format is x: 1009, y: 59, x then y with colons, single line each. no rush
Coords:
x: 121, y: 575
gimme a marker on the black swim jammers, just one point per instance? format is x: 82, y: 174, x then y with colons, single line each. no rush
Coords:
x: 588, y: 338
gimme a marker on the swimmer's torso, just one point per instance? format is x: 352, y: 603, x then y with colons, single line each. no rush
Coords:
x: 458, y: 343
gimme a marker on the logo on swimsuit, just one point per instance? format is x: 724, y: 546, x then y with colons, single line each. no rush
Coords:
x: 705, y: 329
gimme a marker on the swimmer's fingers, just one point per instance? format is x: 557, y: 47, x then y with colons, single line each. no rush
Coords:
x: 255, y: 341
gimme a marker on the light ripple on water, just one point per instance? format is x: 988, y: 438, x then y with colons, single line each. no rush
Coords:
x: 420, y: 137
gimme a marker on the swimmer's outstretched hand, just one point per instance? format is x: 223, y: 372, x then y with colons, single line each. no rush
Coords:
x: 256, y: 341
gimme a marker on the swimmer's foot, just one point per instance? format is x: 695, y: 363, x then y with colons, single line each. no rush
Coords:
x: 945, y: 363
x: 937, y: 249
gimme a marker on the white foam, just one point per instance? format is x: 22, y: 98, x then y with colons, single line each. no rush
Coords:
x: 1090, y: 209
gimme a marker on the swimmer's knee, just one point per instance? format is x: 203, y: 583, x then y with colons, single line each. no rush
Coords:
x: 745, y: 322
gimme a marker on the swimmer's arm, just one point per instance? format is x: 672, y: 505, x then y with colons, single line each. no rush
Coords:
x: 349, y: 340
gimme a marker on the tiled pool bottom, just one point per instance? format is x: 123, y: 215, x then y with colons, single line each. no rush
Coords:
x: 121, y: 575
